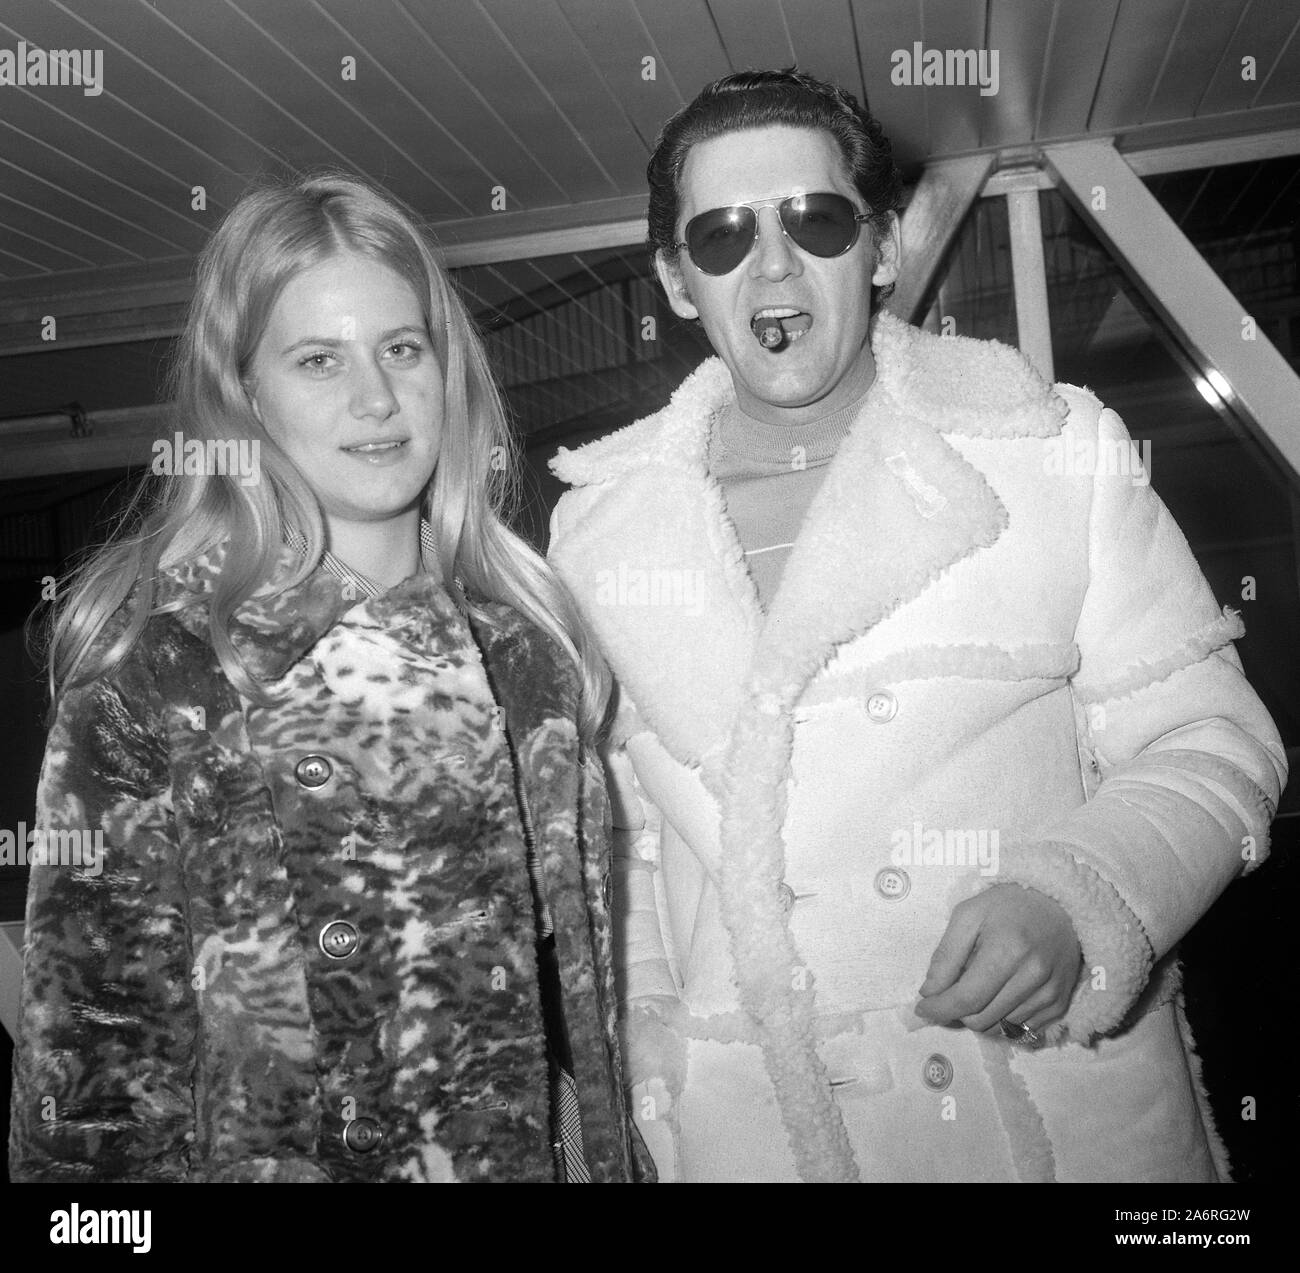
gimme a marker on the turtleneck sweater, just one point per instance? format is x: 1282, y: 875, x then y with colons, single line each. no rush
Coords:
x: 769, y: 474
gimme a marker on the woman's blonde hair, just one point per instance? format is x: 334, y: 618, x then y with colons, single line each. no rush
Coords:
x: 273, y: 233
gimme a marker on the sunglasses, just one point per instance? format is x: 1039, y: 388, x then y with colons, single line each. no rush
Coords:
x: 822, y: 224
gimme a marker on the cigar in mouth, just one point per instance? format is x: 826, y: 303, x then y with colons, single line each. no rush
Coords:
x: 769, y: 331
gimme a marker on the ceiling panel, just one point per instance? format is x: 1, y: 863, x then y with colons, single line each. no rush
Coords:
x: 682, y: 35
x: 144, y: 159
x: 239, y: 122
x: 579, y: 96
x: 825, y: 40
x: 26, y: 251
x: 1021, y: 31
x: 954, y: 110
x: 45, y: 226
x: 883, y: 26
x: 1077, y: 53
x: 1135, y: 57
x: 754, y: 32
x: 1283, y: 80
x: 1265, y: 29
x: 613, y: 37
x: 467, y: 108
x: 313, y: 116
x: 74, y: 207
x: 75, y: 166
x: 175, y: 87
x: 1192, y: 56
x: 549, y: 99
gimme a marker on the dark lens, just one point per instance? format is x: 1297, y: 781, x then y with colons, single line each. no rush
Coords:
x: 718, y: 240
x: 823, y: 224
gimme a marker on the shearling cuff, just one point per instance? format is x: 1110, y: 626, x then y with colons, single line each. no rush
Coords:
x: 1117, y: 957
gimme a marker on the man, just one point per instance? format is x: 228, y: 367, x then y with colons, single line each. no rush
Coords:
x: 929, y: 752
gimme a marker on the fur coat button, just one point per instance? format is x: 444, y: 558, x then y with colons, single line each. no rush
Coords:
x: 313, y: 771
x: 362, y: 1135
x: 339, y: 939
x: 882, y: 706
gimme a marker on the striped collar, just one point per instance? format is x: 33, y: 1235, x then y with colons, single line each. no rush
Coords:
x: 354, y: 579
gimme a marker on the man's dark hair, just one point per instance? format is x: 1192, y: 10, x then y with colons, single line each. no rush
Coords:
x: 764, y: 99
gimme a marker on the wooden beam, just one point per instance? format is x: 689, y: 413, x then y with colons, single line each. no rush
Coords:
x: 1248, y: 375
x: 941, y: 200
x: 1018, y: 168
x: 117, y: 304
x: 43, y: 445
x: 148, y: 302
x: 1019, y: 177
x: 1214, y: 152
x: 108, y: 306
x: 1029, y: 272
x: 517, y: 236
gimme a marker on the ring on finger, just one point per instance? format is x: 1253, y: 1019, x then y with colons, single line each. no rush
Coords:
x: 1021, y: 1034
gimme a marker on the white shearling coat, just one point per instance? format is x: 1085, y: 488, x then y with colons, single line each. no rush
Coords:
x: 992, y: 658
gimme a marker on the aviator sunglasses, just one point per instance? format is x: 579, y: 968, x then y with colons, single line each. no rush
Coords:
x: 822, y: 224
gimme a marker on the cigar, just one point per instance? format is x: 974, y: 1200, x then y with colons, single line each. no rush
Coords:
x: 769, y: 331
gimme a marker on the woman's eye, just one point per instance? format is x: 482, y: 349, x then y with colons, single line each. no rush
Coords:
x: 405, y: 349
x: 316, y: 362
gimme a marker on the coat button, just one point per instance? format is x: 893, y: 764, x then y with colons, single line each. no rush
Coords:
x: 313, y: 771
x: 786, y: 894
x: 339, y: 939
x: 882, y: 706
x: 893, y: 884
x: 936, y: 1073
x: 362, y: 1135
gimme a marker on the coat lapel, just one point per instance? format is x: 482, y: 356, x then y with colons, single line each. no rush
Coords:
x: 274, y: 627
x: 659, y: 572
x: 897, y: 508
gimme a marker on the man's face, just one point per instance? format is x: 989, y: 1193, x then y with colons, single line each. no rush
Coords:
x: 830, y: 364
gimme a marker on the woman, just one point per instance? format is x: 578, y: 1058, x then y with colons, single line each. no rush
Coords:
x: 350, y: 922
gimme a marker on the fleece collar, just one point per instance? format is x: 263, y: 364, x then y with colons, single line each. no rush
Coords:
x: 955, y: 384
x: 277, y: 625
x: 898, y: 506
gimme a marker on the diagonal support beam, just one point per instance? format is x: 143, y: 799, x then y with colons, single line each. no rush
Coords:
x: 1205, y: 317
x: 940, y: 202
x: 1029, y: 272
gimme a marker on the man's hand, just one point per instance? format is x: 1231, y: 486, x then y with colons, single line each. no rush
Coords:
x: 1009, y: 952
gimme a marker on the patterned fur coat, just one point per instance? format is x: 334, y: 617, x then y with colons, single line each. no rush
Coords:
x: 311, y: 953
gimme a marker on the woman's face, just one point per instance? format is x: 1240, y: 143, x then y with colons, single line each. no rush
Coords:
x: 345, y: 380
